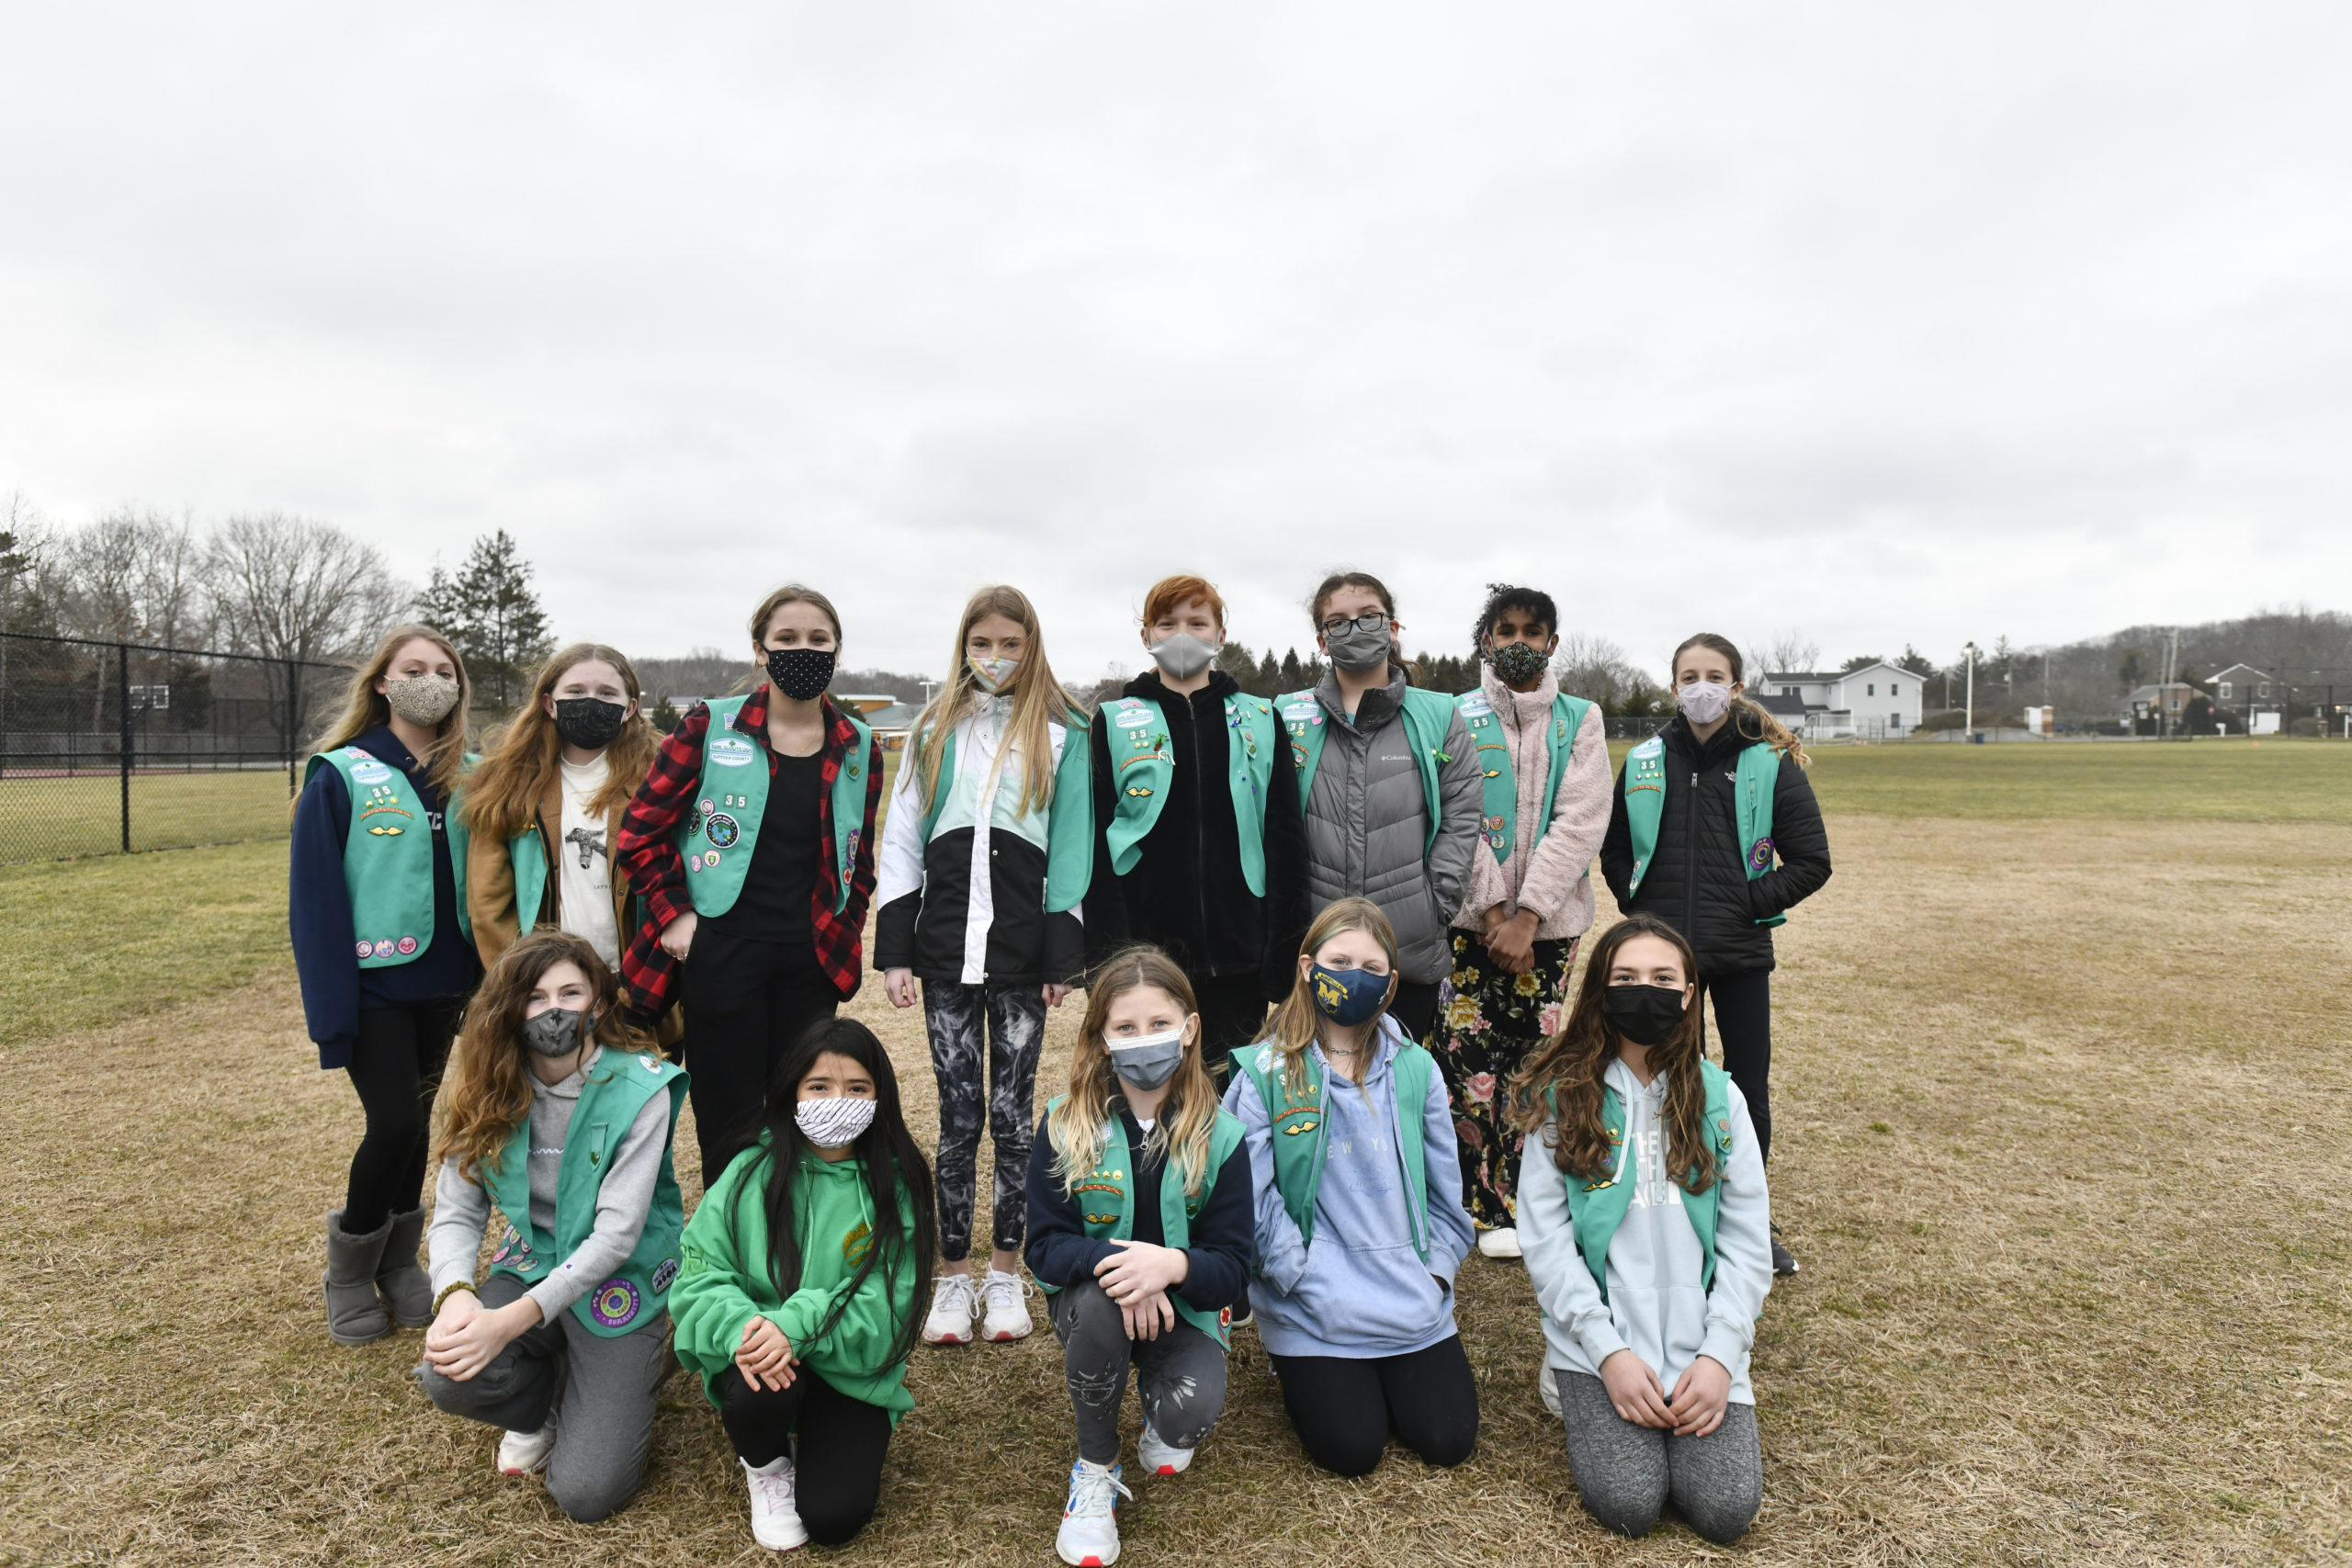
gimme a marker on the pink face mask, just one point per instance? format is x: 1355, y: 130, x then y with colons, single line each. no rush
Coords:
x: 1703, y: 702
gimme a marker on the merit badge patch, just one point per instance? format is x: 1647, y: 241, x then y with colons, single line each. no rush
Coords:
x: 693, y: 862
x: 367, y: 948
x: 614, y: 1303
x: 730, y: 750
x: 1760, y: 857
x: 706, y: 806
x: 405, y: 946
x: 722, y: 829
x: 710, y: 860
x: 383, y: 947
x: 665, y: 1272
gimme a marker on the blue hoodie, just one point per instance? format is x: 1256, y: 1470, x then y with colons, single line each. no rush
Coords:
x: 334, y: 989
x: 1361, y: 1291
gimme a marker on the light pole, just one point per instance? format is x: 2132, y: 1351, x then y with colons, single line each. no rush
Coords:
x: 1970, y: 649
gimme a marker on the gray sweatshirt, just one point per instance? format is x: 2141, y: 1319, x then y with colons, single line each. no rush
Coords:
x: 1367, y: 823
x: 461, y: 1210
x: 1655, y: 1307
x: 1361, y: 1290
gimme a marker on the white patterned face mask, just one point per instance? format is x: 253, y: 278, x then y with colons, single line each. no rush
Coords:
x: 1703, y: 702
x: 836, y: 1121
x: 420, y: 699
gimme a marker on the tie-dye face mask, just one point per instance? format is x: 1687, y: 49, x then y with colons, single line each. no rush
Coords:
x: 993, y: 675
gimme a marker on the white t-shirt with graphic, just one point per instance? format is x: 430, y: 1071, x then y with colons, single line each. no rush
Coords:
x: 584, y: 863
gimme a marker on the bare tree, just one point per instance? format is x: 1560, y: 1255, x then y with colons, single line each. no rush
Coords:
x: 296, y: 588
x: 1784, y: 653
x: 1597, y: 669
x: 134, y: 577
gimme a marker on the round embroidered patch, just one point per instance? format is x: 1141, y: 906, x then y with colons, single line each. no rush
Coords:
x: 722, y: 829
x: 1760, y: 857
x: 614, y: 1303
x: 367, y: 948
x: 383, y: 947
x: 406, y: 945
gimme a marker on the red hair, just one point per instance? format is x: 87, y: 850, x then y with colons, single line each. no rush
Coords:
x: 1171, y: 593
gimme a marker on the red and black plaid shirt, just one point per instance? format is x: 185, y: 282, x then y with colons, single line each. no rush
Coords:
x: 658, y: 872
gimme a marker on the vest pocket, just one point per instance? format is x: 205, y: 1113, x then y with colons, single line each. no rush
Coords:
x: 597, y: 1145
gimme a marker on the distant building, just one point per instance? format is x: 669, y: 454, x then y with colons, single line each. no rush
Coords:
x: 891, y: 723
x: 2240, y: 684
x: 2161, y: 702
x: 1874, y: 702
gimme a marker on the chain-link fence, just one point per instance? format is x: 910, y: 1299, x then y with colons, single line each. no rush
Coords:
x: 109, y: 747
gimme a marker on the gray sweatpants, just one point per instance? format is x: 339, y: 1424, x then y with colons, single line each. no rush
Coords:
x: 599, y: 1392
x: 1626, y: 1473
x: 1180, y: 1376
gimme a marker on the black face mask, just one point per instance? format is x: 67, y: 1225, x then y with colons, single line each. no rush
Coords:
x: 589, y: 723
x: 1646, y: 1015
x: 802, y: 673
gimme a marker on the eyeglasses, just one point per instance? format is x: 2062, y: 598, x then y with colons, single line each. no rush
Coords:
x: 1370, y: 621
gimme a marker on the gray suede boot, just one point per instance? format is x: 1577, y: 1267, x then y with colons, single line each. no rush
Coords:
x: 353, y: 1315
x: 407, y: 1292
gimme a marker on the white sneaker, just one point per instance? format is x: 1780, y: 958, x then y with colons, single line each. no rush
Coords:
x: 775, y: 1517
x: 1500, y: 1241
x: 1089, y: 1535
x: 950, y: 1322
x: 1157, y: 1458
x: 1549, y: 1383
x: 1008, y: 1315
x: 520, y: 1453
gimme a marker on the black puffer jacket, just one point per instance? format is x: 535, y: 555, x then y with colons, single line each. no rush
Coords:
x: 1706, y: 894
x: 1186, y: 892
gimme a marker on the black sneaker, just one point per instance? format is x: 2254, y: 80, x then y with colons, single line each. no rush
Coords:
x: 1784, y: 1262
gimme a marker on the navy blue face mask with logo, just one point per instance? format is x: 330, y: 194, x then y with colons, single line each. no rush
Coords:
x: 1348, y: 997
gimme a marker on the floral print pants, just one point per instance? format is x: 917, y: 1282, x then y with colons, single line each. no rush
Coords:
x: 1488, y: 1022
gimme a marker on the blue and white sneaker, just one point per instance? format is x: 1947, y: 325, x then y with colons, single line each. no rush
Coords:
x: 1090, y: 1536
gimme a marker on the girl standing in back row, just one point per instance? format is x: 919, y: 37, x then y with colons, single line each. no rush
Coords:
x: 984, y: 859
x: 752, y: 841
x: 1703, y: 810
x: 377, y: 907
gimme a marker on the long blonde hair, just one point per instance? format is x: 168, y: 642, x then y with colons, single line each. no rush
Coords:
x: 364, y: 708
x: 1037, y: 699
x: 1747, y: 715
x: 1295, y: 1024
x: 501, y: 794
x: 1081, y: 1124
x: 490, y: 1085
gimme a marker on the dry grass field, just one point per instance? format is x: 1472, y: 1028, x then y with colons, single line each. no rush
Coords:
x: 2058, y: 1102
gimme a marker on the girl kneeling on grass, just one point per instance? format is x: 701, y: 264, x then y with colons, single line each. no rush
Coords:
x: 1357, y: 1180
x: 1649, y: 1242
x: 1141, y: 1231
x: 560, y: 1115
x: 806, y: 1271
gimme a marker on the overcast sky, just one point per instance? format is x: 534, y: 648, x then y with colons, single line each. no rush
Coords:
x: 1887, y: 322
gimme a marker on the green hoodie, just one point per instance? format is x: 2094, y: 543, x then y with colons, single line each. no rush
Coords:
x: 725, y: 1282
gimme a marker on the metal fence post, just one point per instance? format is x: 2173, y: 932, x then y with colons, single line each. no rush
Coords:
x: 123, y: 698
x: 293, y: 719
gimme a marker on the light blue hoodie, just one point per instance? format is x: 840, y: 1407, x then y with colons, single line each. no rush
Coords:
x: 1361, y: 1291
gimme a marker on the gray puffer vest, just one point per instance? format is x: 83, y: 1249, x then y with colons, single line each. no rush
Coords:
x: 1366, y: 824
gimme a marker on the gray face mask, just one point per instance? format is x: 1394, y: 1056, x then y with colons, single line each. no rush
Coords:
x: 420, y: 699
x: 559, y: 1031
x: 1182, y: 656
x: 1150, y: 1062
x: 1354, y: 649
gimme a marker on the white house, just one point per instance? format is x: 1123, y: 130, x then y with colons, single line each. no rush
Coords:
x: 1875, y: 702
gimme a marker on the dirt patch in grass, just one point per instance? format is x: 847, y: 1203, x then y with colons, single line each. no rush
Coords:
x: 2057, y: 1110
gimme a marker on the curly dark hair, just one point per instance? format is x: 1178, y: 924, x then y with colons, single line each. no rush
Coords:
x: 1502, y: 596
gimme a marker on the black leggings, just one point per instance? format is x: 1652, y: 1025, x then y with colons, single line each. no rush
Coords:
x: 1343, y: 1409
x: 1233, y: 1014
x: 1744, y: 1024
x: 837, y: 1471
x: 746, y: 1001
x: 1415, y: 1009
x: 396, y: 1066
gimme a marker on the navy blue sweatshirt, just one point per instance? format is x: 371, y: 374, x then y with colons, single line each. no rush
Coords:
x: 1224, y: 1232
x: 317, y: 908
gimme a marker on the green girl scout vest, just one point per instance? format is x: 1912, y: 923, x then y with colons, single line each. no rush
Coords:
x: 1142, y: 763
x: 387, y: 858
x: 1103, y: 1208
x: 732, y: 793
x: 1597, y: 1208
x: 616, y: 1090
x: 1069, y: 817
x: 1645, y: 785
x: 1501, y: 821
x: 1427, y: 716
x: 1299, y: 1132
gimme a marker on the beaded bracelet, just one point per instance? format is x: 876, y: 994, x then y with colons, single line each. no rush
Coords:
x: 465, y: 1285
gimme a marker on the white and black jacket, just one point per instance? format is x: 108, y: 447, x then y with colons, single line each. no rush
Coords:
x: 965, y: 907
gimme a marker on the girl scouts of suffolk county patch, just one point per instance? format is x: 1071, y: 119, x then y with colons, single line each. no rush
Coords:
x: 613, y: 1303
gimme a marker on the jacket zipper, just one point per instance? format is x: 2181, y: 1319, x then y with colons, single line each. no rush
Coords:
x: 1200, y: 834
x: 1691, y: 862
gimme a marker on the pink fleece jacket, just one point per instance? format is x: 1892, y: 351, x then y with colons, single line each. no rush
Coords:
x: 1552, y: 880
